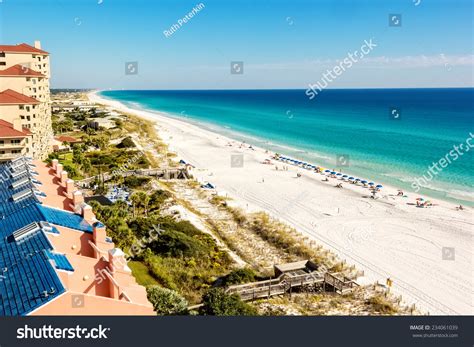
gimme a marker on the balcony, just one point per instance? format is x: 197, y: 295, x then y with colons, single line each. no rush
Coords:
x: 12, y: 145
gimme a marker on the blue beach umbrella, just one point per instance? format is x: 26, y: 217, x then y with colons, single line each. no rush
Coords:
x: 363, y: 181
x: 339, y: 174
x: 333, y: 172
x: 379, y: 186
x: 327, y: 170
x: 371, y: 184
x: 344, y: 176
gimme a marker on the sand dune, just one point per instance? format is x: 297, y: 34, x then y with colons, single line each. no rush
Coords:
x: 385, y: 237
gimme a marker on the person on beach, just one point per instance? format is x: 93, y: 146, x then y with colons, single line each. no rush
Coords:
x: 460, y: 208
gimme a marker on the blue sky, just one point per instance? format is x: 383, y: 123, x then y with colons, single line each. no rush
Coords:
x: 283, y: 44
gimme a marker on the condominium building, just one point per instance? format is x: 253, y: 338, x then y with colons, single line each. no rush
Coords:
x: 15, y: 140
x: 24, y: 93
x: 56, y: 257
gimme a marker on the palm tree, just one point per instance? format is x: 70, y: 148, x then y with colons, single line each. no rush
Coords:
x: 135, y: 200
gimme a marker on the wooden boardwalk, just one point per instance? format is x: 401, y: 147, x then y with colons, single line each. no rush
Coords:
x: 285, y: 284
x: 172, y: 173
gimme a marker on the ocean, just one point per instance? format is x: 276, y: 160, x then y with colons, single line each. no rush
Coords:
x: 390, y: 136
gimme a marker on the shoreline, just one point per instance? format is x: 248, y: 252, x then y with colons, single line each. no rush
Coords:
x: 342, y: 220
x: 380, y: 170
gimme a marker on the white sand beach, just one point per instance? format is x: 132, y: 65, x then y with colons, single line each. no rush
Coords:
x: 388, y: 237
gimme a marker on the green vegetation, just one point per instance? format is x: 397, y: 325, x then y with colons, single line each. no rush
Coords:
x: 217, y: 302
x: 239, y: 276
x: 96, y: 154
x: 166, y: 301
x: 176, y: 254
x: 379, y: 304
x: 141, y: 273
x: 126, y: 143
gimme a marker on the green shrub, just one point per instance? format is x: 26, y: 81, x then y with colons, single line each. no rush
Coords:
x: 135, y: 182
x: 217, y: 302
x: 177, y: 244
x: 166, y: 301
x: 239, y: 276
x: 126, y: 143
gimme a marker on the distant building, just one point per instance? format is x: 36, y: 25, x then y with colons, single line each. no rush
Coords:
x: 56, y: 257
x: 25, y: 94
x: 106, y: 123
x: 59, y: 143
x: 14, y: 140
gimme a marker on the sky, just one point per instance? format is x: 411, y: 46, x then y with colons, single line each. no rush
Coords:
x: 281, y: 44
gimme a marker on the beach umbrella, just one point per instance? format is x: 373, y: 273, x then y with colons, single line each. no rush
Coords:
x: 379, y: 186
x: 333, y: 172
x: 339, y: 174
x: 371, y: 184
x: 327, y: 170
x: 357, y: 179
x: 420, y: 199
x: 363, y: 181
x: 344, y: 176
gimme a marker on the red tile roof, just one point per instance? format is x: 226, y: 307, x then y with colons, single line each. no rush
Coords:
x: 11, y: 97
x: 7, y: 130
x: 21, y: 48
x: 69, y: 139
x: 20, y: 70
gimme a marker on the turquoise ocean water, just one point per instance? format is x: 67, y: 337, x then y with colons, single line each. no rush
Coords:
x: 360, y: 125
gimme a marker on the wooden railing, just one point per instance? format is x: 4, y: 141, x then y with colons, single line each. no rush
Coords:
x: 285, y: 283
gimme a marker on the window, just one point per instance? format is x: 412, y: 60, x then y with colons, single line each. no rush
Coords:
x: 2, y: 143
x: 2, y: 54
x: 28, y: 79
x: 16, y: 142
x: 22, y: 107
x: 2, y: 63
x: 16, y: 151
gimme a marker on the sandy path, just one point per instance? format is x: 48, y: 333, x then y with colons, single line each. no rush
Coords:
x: 384, y: 237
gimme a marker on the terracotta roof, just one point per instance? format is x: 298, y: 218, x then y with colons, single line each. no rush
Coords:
x: 7, y: 130
x: 11, y: 97
x: 21, y: 48
x: 64, y: 138
x: 20, y: 70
